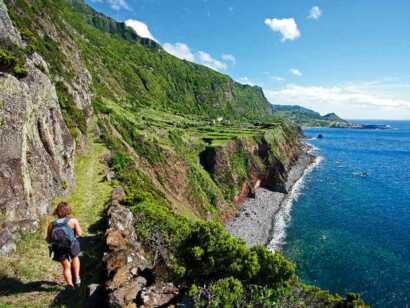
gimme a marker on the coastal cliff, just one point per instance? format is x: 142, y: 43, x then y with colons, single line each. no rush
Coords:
x: 187, y: 146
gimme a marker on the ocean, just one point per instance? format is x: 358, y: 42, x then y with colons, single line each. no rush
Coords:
x: 349, y: 227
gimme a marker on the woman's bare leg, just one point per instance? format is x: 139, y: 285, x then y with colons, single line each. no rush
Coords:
x: 76, y: 268
x: 67, y: 272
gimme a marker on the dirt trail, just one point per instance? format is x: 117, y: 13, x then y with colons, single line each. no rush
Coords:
x: 29, y: 278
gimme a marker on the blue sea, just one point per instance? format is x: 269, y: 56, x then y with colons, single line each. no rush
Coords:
x: 349, y: 232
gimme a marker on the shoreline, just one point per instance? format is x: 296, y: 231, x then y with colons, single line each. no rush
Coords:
x: 262, y: 220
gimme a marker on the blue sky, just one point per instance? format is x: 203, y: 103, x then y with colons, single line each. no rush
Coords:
x: 351, y: 57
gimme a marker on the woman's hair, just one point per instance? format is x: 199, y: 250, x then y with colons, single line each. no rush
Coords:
x: 62, y: 210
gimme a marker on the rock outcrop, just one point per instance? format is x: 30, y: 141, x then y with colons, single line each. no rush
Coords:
x: 37, y: 150
x: 131, y: 281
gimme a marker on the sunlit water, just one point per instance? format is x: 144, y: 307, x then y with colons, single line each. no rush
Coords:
x: 349, y: 232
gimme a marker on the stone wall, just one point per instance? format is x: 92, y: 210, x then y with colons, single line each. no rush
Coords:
x: 131, y: 277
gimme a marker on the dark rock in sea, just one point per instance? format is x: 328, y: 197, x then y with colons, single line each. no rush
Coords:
x: 320, y: 136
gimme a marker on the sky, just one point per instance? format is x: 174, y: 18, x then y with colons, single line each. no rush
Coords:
x: 351, y: 57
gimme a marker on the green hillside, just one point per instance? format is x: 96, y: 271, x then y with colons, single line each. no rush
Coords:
x: 308, y: 118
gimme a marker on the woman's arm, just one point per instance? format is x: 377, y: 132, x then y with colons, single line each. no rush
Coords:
x: 77, y: 228
x: 48, y: 238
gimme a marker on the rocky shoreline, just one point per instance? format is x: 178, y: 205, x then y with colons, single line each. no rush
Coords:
x: 255, y: 221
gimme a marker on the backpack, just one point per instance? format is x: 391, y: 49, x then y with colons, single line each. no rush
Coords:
x: 62, y: 235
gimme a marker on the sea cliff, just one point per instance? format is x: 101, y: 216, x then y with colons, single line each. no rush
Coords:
x: 259, y: 220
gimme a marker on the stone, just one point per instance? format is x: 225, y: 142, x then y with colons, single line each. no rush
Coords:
x: 115, y: 240
x: 159, y: 295
x: 110, y: 176
x: 7, y: 31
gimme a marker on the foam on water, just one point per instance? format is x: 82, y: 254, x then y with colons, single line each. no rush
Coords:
x: 283, y: 216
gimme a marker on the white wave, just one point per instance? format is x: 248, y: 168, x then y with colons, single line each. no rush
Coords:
x: 313, y: 149
x: 283, y: 217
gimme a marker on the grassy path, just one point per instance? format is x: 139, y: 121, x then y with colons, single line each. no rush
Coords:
x: 29, y: 278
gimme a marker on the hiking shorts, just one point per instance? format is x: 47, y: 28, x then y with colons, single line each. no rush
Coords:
x: 63, y: 253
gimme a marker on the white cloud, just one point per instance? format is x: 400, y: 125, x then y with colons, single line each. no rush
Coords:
x: 229, y: 58
x: 277, y: 78
x: 183, y: 51
x: 245, y: 80
x: 140, y: 28
x: 353, y: 100
x: 295, y: 72
x: 287, y: 27
x: 207, y: 60
x: 115, y: 4
x: 315, y: 13
x: 179, y: 50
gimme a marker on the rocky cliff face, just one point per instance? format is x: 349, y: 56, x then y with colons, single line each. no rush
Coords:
x: 37, y: 150
x: 132, y: 282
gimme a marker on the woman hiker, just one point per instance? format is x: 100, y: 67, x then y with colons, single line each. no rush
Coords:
x: 62, y: 235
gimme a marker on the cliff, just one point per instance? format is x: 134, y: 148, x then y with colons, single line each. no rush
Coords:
x: 187, y: 145
x: 37, y: 150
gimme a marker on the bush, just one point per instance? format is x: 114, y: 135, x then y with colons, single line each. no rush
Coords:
x: 226, y: 292
x: 20, y: 72
x: 7, y: 61
x: 12, y: 61
x: 210, y: 253
x: 274, y: 271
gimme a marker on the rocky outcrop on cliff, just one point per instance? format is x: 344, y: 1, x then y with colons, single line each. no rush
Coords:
x: 37, y: 150
x: 132, y: 280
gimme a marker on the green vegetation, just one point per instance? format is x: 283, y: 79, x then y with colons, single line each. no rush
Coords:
x: 308, y: 118
x: 30, y: 278
x: 149, y: 77
x: 12, y: 61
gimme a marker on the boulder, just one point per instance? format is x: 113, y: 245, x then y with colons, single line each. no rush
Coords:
x: 162, y: 294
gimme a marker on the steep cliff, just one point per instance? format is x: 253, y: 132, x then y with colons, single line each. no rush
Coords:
x: 37, y: 150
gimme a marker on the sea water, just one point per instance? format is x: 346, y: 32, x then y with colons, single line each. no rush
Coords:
x: 349, y: 229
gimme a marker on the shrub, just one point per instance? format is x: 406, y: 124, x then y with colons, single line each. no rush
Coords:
x: 7, y: 61
x: 274, y: 271
x: 226, y: 292
x: 209, y: 253
x: 20, y: 72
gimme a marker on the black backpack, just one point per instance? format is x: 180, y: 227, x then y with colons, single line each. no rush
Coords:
x: 61, y: 234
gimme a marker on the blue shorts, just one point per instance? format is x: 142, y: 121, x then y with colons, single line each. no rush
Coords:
x: 64, y: 253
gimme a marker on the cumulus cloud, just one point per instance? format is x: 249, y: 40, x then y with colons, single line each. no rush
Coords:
x: 140, y: 28
x: 180, y: 50
x: 207, y: 60
x: 245, y: 80
x: 183, y: 51
x: 115, y: 4
x: 229, y: 58
x: 315, y: 13
x: 296, y: 72
x: 350, y: 100
x: 287, y: 27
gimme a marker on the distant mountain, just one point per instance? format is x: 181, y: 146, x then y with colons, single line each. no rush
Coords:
x: 309, y: 118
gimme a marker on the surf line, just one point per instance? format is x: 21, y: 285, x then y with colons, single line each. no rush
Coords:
x: 283, y: 217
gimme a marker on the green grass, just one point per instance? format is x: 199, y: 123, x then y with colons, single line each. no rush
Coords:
x: 29, y: 278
